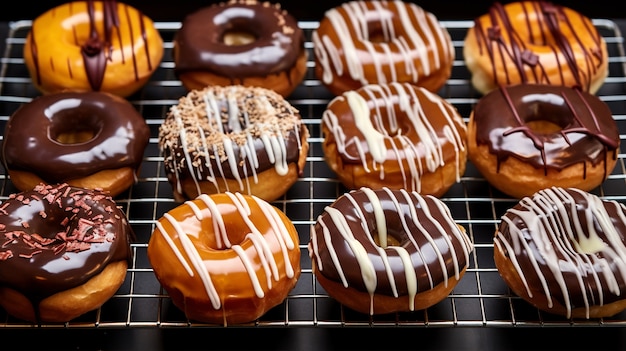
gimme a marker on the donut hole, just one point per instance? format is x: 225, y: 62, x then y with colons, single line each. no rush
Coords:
x: 69, y: 127
x: 237, y: 37
x: 391, y: 241
x: 546, y: 113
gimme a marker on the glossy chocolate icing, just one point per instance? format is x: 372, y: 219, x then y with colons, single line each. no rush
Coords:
x: 120, y: 135
x: 588, y: 131
x: 349, y: 242
x: 568, y: 244
x: 199, y: 43
x: 520, y: 38
x: 57, y: 237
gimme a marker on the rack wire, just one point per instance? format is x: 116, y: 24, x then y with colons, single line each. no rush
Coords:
x: 481, y: 299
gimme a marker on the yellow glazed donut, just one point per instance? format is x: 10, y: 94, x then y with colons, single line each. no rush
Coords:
x: 92, y: 46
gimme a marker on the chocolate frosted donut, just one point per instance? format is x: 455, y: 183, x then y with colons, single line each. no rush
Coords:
x: 233, y: 138
x: 526, y: 138
x: 240, y: 42
x: 75, y: 138
x: 57, y: 244
x: 382, y: 251
x: 564, y: 251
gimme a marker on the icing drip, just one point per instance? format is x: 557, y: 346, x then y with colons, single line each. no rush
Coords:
x: 570, y: 243
x: 431, y: 247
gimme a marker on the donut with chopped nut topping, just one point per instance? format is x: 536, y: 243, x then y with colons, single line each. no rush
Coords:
x: 64, y: 251
x: 233, y: 138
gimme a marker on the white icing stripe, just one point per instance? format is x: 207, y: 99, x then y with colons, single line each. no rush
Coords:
x: 555, y: 233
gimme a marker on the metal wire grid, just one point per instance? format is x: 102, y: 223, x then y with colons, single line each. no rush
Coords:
x: 480, y: 299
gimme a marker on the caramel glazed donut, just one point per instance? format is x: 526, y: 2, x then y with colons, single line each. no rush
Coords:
x: 92, y: 140
x: 225, y: 258
x: 526, y: 138
x: 378, y: 42
x: 92, y: 46
x: 234, y: 138
x: 394, y: 135
x: 535, y: 42
x: 240, y: 42
x: 563, y: 250
x: 64, y: 252
x: 384, y: 251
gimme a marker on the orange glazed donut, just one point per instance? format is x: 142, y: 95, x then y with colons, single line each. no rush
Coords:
x: 225, y: 258
x: 92, y: 140
x: 233, y: 138
x: 240, y: 42
x: 92, y: 46
x: 384, y: 251
x: 394, y: 135
x: 535, y: 42
x: 563, y: 250
x: 64, y: 252
x: 525, y: 138
x: 378, y: 42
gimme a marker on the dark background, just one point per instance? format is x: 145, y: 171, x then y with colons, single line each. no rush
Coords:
x: 175, y: 10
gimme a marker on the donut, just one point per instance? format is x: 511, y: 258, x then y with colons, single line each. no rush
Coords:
x: 525, y: 138
x: 242, y: 42
x: 92, y: 46
x: 379, y: 42
x: 394, y: 135
x: 379, y: 251
x: 535, y: 42
x: 233, y: 138
x: 563, y: 250
x: 93, y: 140
x: 64, y: 252
x: 225, y: 258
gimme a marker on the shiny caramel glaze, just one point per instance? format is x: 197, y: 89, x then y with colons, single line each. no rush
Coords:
x: 389, y: 242
x: 379, y: 42
x: 65, y: 136
x: 226, y: 258
x: 504, y: 124
x: 92, y: 46
x: 535, y: 42
x: 231, y: 133
x: 57, y: 237
x: 564, y: 250
x: 395, y: 135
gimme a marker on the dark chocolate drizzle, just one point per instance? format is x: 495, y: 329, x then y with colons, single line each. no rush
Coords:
x: 120, y: 136
x: 551, y: 17
x: 57, y: 237
x: 588, y: 130
x: 199, y: 42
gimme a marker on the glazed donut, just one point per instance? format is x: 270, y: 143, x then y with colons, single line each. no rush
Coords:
x: 92, y: 140
x: 383, y: 251
x: 243, y: 42
x: 394, y: 135
x: 92, y: 46
x: 563, y: 250
x: 379, y: 42
x: 233, y: 138
x: 535, y: 42
x: 225, y: 258
x: 526, y: 138
x: 64, y: 252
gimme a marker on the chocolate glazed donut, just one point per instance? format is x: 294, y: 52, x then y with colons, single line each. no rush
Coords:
x: 34, y: 136
x: 382, y: 251
x: 549, y: 129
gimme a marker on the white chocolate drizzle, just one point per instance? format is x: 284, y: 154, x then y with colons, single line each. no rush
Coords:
x: 432, y: 237
x: 419, y: 42
x: 566, y: 241
x: 434, y: 123
x: 190, y: 256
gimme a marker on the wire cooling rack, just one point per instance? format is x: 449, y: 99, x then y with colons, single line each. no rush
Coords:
x: 480, y: 299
